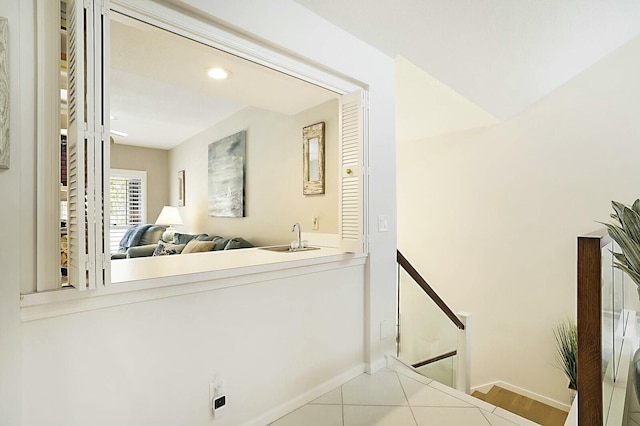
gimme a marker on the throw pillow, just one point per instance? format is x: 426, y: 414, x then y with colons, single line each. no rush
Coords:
x: 205, y: 237
x: 152, y: 235
x: 179, y: 238
x: 237, y: 243
x: 195, y: 246
x: 165, y: 249
x: 221, y: 243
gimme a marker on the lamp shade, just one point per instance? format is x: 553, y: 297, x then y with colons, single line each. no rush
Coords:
x: 169, y: 216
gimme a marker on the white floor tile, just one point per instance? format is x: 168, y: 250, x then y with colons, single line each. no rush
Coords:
x: 423, y: 395
x: 413, y: 375
x: 331, y: 397
x: 449, y: 416
x: 313, y: 415
x: 496, y: 420
x: 380, y: 400
x: 382, y: 388
x: 364, y: 415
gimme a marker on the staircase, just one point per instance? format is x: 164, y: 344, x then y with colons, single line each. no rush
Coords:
x: 524, y: 407
x: 432, y: 341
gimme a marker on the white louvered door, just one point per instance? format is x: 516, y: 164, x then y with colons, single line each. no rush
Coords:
x: 86, y: 147
x: 76, y: 146
x: 351, y: 172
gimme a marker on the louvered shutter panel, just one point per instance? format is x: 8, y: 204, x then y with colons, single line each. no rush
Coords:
x: 98, y: 147
x: 86, y: 147
x: 351, y: 172
x: 76, y: 144
x: 105, y: 125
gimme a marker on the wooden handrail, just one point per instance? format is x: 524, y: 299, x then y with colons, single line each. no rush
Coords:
x: 434, y: 359
x: 404, y: 263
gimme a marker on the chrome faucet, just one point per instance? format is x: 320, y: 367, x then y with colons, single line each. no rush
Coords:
x: 299, y: 234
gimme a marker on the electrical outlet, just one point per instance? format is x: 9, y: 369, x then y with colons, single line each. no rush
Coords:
x: 316, y: 223
x: 216, y: 391
x: 219, y: 402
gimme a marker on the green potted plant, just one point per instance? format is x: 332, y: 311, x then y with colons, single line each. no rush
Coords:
x: 627, y: 234
x: 566, y: 336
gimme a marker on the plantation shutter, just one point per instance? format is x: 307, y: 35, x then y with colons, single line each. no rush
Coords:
x: 86, y: 150
x: 127, y: 206
x: 351, y: 172
x: 76, y: 145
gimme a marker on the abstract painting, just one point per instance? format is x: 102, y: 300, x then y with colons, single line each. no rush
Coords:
x: 226, y: 176
x: 4, y: 94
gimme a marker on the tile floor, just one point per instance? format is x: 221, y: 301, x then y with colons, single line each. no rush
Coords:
x: 398, y: 398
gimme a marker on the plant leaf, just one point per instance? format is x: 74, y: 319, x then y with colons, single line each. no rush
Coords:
x: 618, y: 208
x: 620, y: 257
x: 629, y: 247
x: 635, y: 276
x: 636, y: 206
x: 631, y: 223
x: 566, y: 337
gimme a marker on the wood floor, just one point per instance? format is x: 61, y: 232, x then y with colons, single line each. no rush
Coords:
x: 525, y: 407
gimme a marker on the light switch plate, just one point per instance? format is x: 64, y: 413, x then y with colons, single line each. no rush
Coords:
x: 383, y: 223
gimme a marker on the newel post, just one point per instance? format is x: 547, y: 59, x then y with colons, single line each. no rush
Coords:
x: 464, y: 360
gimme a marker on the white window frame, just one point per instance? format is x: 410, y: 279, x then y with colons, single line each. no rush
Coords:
x: 132, y: 174
x: 229, y: 41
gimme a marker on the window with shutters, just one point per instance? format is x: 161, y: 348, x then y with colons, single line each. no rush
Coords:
x: 127, y: 190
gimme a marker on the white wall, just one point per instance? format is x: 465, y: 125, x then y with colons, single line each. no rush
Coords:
x: 286, y: 24
x: 18, y: 197
x: 490, y: 216
x: 273, y: 180
x: 124, y: 364
x: 151, y: 363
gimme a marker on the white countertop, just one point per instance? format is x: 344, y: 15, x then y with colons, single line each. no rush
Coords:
x: 217, y: 264
x: 148, y: 278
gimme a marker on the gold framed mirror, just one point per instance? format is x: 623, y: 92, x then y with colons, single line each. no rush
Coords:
x: 313, y: 159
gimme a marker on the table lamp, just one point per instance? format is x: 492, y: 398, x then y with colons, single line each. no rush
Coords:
x: 169, y: 216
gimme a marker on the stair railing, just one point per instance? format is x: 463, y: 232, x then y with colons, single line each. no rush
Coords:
x: 431, y: 337
x: 606, y: 332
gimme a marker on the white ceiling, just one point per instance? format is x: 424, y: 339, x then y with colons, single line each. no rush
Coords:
x: 161, y: 94
x: 502, y: 55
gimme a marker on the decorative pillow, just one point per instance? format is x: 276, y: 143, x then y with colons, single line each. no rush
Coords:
x: 152, y: 235
x: 165, y: 249
x: 195, y: 246
x: 179, y: 238
x: 221, y: 243
x: 205, y: 237
x: 237, y: 243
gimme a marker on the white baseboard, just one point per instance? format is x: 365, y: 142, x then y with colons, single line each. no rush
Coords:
x: 377, y: 365
x: 513, y: 388
x: 291, y: 405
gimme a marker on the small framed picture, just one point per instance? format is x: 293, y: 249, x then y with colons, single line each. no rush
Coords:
x: 313, y: 159
x: 181, y: 194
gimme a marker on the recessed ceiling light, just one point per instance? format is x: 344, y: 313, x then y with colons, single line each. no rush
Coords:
x: 113, y: 117
x: 121, y: 134
x: 218, y: 73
